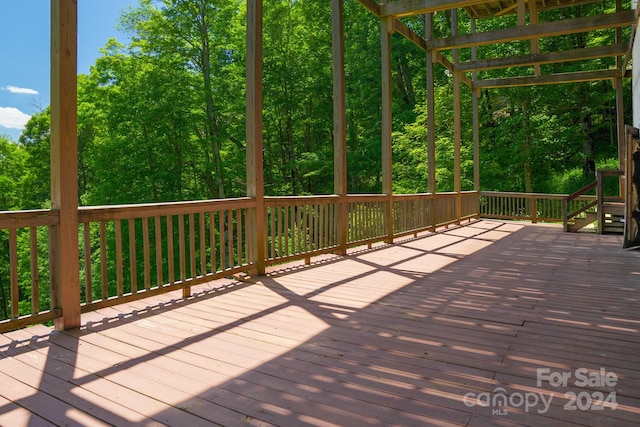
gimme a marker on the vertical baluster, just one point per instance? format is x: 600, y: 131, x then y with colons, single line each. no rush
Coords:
x: 192, y: 247
x: 146, y: 248
x: 13, y: 266
x: 239, y: 236
x: 171, y: 269
x: 133, y: 272
x: 53, y: 274
x: 223, y: 241
x: 203, y: 251
x: 280, y: 253
x: 230, y: 239
x: 88, y: 287
x: 322, y: 238
x: 212, y: 241
x: 103, y: 261
x: 119, y: 275
x: 182, y: 249
x: 35, y: 281
x: 158, y: 230
x: 272, y: 231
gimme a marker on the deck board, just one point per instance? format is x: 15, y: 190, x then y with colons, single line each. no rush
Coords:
x: 396, y: 335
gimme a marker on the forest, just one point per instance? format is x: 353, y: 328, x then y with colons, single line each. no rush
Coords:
x: 161, y: 117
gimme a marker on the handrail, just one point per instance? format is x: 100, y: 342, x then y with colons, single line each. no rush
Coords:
x: 566, y: 216
x: 581, y: 191
x: 134, y: 251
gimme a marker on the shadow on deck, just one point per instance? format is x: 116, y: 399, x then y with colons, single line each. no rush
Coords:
x: 450, y: 329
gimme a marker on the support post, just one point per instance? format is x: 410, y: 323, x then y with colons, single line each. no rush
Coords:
x: 617, y: 82
x: 475, y: 96
x: 535, y: 43
x: 255, y: 173
x: 64, y: 158
x: 387, y: 188
x: 339, y: 124
x: 457, y: 123
x: 431, y: 121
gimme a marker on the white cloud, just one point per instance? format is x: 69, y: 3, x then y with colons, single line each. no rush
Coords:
x: 20, y: 90
x: 12, y: 118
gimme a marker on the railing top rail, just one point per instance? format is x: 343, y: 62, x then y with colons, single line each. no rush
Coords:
x: 31, y: 218
x: 296, y: 200
x: 519, y: 194
x: 100, y: 213
x: 610, y: 172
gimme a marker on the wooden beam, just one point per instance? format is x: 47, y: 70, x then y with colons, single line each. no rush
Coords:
x: 617, y: 84
x: 457, y: 139
x: 580, y: 76
x: 401, y: 8
x: 431, y: 111
x: 475, y: 95
x: 372, y: 6
x: 339, y: 123
x: 387, y: 124
x: 409, y: 34
x: 450, y: 66
x: 535, y: 42
x: 64, y: 158
x: 548, y: 29
x: 522, y: 17
x: 543, y: 58
x: 255, y: 173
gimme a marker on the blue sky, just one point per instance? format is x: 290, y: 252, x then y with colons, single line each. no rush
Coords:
x: 24, y: 52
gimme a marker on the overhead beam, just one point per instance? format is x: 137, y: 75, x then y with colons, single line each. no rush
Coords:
x: 543, y: 58
x: 580, y: 76
x: 530, y: 32
x: 409, y: 34
x: 401, y: 8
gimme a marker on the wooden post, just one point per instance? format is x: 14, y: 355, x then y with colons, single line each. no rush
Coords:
x: 255, y: 174
x: 431, y: 121
x: 535, y: 43
x: 600, y: 200
x: 64, y: 158
x: 387, y: 188
x: 339, y: 124
x: 475, y: 96
x: 457, y: 123
x: 617, y: 83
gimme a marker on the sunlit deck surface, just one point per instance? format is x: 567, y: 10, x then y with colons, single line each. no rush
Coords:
x: 394, y: 336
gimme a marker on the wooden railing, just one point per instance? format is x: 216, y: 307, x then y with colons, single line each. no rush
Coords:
x: 366, y: 218
x: 130, y: 252
x: 27, y: 267
x: 300, y: 227
x: 413, y: 213
x: 532, y: 207
x: 570, y: 211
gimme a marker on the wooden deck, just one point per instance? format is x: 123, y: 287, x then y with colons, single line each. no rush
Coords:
x: 410, y: 334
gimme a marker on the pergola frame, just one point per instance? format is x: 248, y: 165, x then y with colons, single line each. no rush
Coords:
x: 64, y: 165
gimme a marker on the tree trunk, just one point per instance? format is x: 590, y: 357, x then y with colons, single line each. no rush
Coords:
x: 211, y: 125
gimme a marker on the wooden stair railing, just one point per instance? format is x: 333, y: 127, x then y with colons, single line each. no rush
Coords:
x: 608, y: 209
x: 568, y: 216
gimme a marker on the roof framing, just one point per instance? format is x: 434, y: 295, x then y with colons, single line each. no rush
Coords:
x: 393, y: 10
